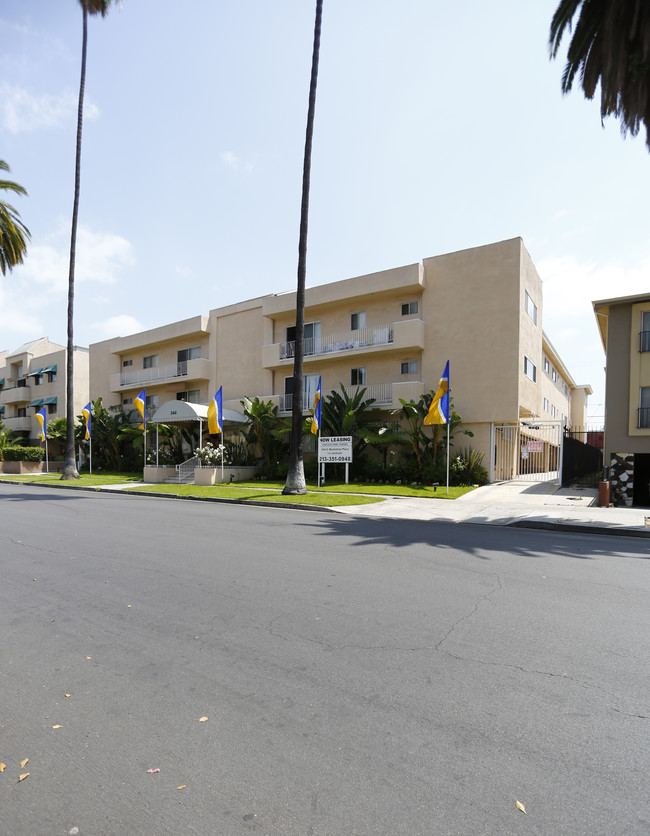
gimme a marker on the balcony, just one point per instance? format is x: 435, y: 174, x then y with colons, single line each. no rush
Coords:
x: 17, y: 424
x: 381, y: 392
x: 17, y: 394
x: 198, y: 369
x: 395, y: 336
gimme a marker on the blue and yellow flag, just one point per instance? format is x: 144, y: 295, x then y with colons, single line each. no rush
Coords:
x: 215, y: 413
x: 439, y: 409
x: 86, y: 412
x: 41, y: 417
x: 315, y: 421
x: 141, y: 405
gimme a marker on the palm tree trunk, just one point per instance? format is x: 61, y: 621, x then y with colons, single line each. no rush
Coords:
x: 70, y: 466
x: 295, y: 483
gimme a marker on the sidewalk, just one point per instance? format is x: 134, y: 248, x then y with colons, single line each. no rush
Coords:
x: 522, y: 504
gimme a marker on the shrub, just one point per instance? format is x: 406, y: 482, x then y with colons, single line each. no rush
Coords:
x: 24, y: 454
x: 210, y: 456
x: 467, y: 468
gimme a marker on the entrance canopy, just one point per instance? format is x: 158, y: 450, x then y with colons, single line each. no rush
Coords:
x: 176, y: 412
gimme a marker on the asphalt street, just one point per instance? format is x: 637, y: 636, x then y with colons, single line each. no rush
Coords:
x: 358, y: 675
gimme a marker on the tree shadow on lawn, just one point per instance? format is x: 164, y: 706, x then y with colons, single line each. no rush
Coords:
x: 480, y: 541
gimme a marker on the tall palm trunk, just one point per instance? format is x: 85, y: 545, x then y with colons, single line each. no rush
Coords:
x: 70, y: 466
x: 295, y: 483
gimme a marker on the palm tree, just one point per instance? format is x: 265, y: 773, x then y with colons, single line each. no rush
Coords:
x: 92, y: 7
x: 295, y: 483
x: 13, y: 232
x: 610, y: 46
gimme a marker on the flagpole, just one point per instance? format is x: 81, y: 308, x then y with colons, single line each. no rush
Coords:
x: 47, y: 464
x: 90, y: 453
x: 447, y: 456
x: 318, y: 458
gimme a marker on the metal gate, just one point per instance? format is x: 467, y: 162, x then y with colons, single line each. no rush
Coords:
x: 530, y: 451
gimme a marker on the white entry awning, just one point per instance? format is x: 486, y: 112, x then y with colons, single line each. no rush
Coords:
x: 174, y: 412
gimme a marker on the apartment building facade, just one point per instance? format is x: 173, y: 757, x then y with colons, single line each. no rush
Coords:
x: 390, y: 332
x: 32, y: 377
x: 624, y: 326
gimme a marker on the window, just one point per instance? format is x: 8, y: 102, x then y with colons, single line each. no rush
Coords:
x: 152, y: 401
x: 21, y: 412
x: 38, y: 379
x: 547, y: 366
x: 127, y: 401
x: 126, y: 363
x: 185, y: 354
x: 644, y: 408
x: 531, y: 308
x: 545, y: 404
x: 51, y: 408
x: 409, y: 308
x: 22, y: 382
x: 357, y: 320
x: 357, y: 376
x: 554, y: 375
x: 553, y: 412
x: 645, y: 331
x: 410, y: 367
x: 191, y: 396
x: 312, y: 339
x: 150, y: 362
x: 51, y: 377
x: 530, y: 370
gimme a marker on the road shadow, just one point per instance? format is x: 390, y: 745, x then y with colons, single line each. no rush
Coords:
x: 477, y: 540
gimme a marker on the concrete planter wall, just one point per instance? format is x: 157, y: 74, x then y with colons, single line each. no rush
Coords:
x: 157, y: 475
x: 212, y: 475
x: 30, y: 467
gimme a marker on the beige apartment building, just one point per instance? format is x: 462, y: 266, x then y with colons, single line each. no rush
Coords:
x: 391, y: 332
x: 32, y: 377
x: 624, y: 325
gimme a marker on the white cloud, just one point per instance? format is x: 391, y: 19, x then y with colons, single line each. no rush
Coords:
x: 236, y: 162
x: 100, y: 257
x: 22, y: 111
x: 120, y: 325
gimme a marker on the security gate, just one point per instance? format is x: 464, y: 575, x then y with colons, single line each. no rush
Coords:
x: 530, y: 451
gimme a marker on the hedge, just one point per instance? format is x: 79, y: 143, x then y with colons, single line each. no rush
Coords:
x: 23, y: 454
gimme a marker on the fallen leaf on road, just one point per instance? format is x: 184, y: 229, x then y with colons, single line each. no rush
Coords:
x: 182, y: 787
x: 89, y: 657
x: 22, y: 763
x: 202, y: 719
x: 57, y: 727
x: 23, y: 776
x: 3, y: 766
x: 520, y: 806
x: 67, y: 695
x: 152, y: 771
x: 129, y: 605
x: 34, y: 579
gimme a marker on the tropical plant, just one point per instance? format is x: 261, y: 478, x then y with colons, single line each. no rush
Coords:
x: 345, y: 414
x: 92, y: 7
x: 610, y: 47
x: 6, y: 439
x: 467, y: 468
x: 108, y: 440
x: 265, y: 428
x: 13, y: 232
x: 427, y: 448
x: 295, y: 483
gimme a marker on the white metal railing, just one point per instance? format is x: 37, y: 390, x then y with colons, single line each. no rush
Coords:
x: 344, y: 341
x: 155, y: 374
x: 185, y: 470
x: 381, y: 392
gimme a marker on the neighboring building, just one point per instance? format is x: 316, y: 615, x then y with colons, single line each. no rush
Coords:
x: 391, y: 332
x: 33, y: 376
x: 624, y: 325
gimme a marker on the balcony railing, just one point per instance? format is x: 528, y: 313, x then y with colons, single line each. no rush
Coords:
x: 644, y: 341
x: 16, y: 394
x: 344, y: 341
x: 643, y: 419
x: 17, y: 424
x: 381, y: 392
x: 199, y: 368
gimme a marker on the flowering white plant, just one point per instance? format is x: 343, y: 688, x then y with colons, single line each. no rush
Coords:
x: 211, y: 456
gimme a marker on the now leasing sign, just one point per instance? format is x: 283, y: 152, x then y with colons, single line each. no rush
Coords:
x: 335, y: 448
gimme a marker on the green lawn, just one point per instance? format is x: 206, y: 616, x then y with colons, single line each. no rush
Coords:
x: 425, y: 491
x: 260, y: 492
x: 84, y: 480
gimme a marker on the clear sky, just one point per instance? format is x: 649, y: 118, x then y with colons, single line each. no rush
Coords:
x: 439, y: 126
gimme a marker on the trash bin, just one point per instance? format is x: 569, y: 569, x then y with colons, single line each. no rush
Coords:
x: 603, y: 494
